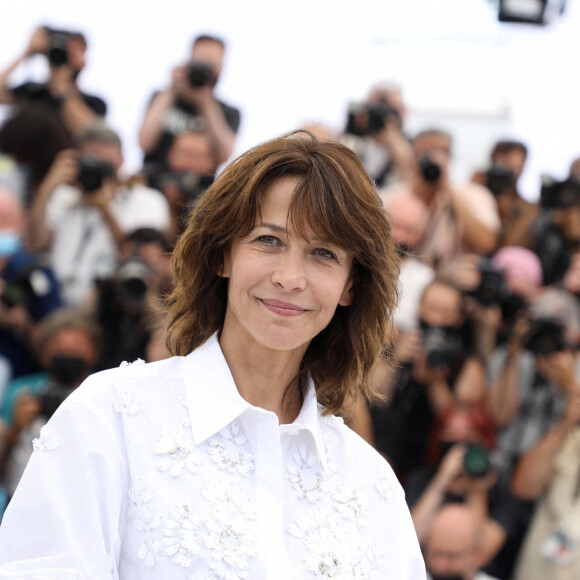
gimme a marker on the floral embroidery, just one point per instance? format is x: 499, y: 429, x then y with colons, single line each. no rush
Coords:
x: 313, y: 489
x: 331, y: 551
x: 348, y: 503
x: 226, y: 456
x: 47, y: 441
x: 124, y: 405
x: 178, y: 455
x: 182, y: 535
x: 385, y: 489
x: 147, y: 523
x: 138, y: 361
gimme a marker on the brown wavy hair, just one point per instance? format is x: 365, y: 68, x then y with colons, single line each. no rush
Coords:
x: 336, y: 198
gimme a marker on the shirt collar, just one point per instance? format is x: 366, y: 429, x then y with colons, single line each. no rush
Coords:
x: 213, y: 399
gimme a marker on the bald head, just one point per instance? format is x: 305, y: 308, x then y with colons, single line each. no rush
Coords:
x: 453, y: 542
x: 408, y: 217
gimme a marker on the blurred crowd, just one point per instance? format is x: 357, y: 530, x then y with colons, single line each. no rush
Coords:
x: 480, y: 409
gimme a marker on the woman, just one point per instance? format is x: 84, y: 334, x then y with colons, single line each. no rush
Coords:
x: 226, y: 461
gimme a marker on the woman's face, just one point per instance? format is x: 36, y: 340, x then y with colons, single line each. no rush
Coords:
x: 283, y: 290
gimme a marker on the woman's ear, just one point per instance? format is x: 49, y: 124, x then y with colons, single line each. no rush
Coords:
x: 347, y: 295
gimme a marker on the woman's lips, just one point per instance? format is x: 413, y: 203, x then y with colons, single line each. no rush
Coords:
x: 283, y: 308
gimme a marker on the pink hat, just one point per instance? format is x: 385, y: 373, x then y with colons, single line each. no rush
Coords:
x: 519, y: 262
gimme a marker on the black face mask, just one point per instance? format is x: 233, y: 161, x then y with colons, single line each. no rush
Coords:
x: 449, y: 330
x: 66, y: 370
x: 446, y: 576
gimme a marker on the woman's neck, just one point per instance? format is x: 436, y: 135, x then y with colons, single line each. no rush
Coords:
x: 266, y: 378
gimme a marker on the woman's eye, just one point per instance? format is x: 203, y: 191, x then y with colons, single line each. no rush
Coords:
x: 269, y: 240
x: 325, y: 254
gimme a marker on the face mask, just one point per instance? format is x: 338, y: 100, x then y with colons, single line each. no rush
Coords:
x: 9, y: 243
x: 67, y: 371
x: 446, y: 576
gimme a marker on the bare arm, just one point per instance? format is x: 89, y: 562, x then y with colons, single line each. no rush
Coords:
x: 152, y: 125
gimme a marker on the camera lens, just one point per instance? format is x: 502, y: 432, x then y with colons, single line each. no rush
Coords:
x: 430, y: 170
x: 476, y: 461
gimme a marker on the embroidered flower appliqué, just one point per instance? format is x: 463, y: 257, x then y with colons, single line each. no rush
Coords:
x: 178, y: 455
x: 225, y: 453
x: 124, y: 405
x: 183, y: 535
x: 147, y: 523
x: 348, y: 503
x: 305, y: 479
x: 385, y: 489
x: 330, y: 551
x: 47, y: 441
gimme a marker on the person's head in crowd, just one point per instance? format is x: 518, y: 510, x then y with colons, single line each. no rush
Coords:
x: 209, y: 50
x: 453, y: 547
x: 522, y: 271
x: 12, y: 225
x: 562, y: 307
x: 389, y: 93
x: 323, y: 192
x: 408, y: 217
x: 511, y: 155
x: 63, y: 48
x: 442, y: 304
x: 103, y: 143
x: 191, y: 152
x: 319, y: 130
x: 67, y: 345
x: 33, y: 139
x: 460, y: 424
x: 151, y: 248
x: 433, y: 146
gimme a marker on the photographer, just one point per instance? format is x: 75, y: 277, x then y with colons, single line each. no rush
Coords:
x: 374, y: 131
x: 127, y: 303
x: 462, y: 468
x: 436, y: 368
x: 82, y: 211
x: 189, y: 104
x: 60, y: 95
x: 28, y: 289
x: 66, y: 345
x: 463, y: 218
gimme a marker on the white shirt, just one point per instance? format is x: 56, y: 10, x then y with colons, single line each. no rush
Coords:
x: 163, y: 471
x: 83, y: 247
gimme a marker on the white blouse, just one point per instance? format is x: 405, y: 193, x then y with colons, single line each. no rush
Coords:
x: 163, y: 471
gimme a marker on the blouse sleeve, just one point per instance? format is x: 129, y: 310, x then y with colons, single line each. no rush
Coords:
x: 65, y: 519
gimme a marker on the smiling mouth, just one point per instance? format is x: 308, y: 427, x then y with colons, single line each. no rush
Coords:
x: 283, y: 308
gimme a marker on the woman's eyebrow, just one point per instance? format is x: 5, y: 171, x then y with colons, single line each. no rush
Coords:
x: 273, y: 227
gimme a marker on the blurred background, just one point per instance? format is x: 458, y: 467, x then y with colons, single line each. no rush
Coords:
x: 291, y: 63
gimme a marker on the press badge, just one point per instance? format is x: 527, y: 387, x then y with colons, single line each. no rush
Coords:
x: 560, y: 548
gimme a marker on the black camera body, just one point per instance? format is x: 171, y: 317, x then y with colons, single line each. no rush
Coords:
x: 430, y: 171
x: 58, y: 46
x: 441, y: 346
x: 200, y: 74
x: 51, y: 400
x: 29, y: 283
x: 546, y: 336
x: 369, y: 119
x: 499, y: 178
x: 92, y: 173
x: 559, y: 194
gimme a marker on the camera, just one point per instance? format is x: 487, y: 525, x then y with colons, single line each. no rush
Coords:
x: 430, y: 171
x: 498, y: 178
x: 545, y: 336
x: 189, y: 183
x: 58, y: 46
x: 369, y: 119
x: 200, y: 74
x: 442, y: 346
x: 559, y: 194
x: 51, y: 400
x: 29, y: 283
x: 92, y: 173
x: 476, y: 461
x: 132, y: 280
x: 491, y: 289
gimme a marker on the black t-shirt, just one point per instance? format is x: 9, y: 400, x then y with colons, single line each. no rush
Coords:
x: 38, y: 93
x: 180, y: 118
